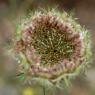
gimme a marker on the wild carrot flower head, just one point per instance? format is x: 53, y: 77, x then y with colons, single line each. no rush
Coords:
x: 52, y: 45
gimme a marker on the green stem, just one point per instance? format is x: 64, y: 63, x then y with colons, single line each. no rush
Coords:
x: 44, y: 90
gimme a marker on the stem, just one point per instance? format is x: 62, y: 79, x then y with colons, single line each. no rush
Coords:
x: 44, y: 90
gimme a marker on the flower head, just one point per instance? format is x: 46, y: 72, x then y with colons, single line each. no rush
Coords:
x: 53, y: 45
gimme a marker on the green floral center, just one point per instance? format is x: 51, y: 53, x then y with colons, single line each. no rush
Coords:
x: 52, y: 44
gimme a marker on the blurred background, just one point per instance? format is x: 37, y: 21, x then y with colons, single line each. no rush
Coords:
x: 11, y: 11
